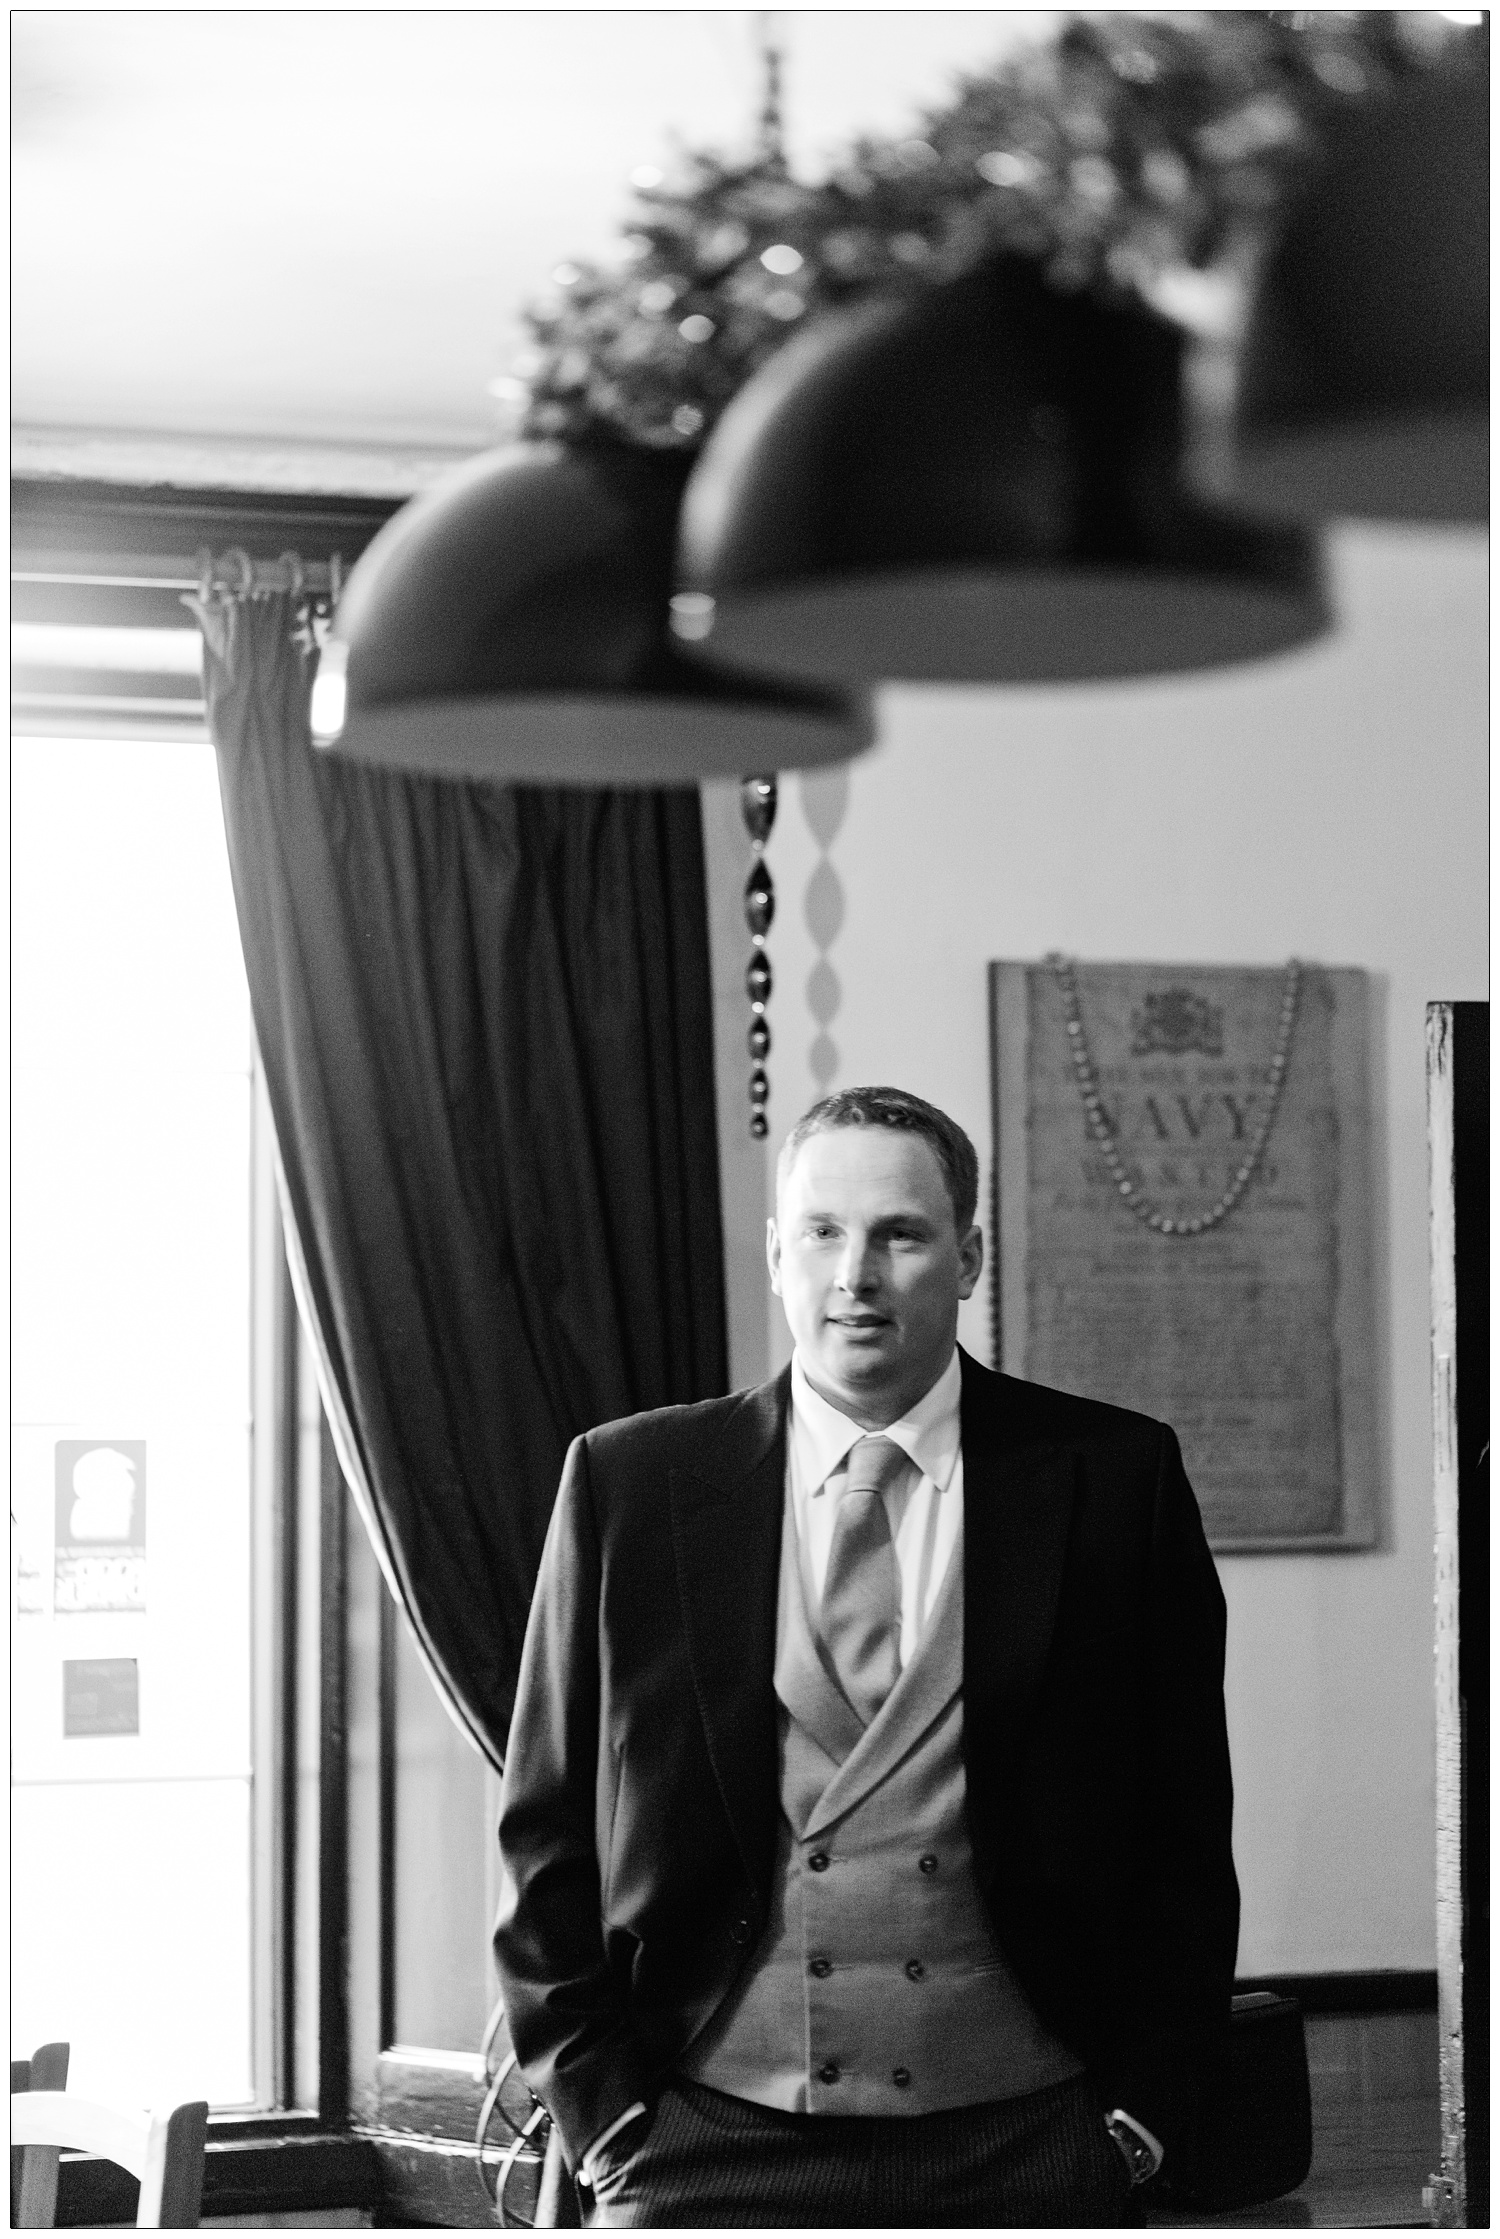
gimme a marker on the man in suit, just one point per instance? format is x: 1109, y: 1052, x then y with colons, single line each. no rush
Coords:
x: 866, y: 1818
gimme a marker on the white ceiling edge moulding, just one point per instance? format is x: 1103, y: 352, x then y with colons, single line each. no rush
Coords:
x: 207, y: 462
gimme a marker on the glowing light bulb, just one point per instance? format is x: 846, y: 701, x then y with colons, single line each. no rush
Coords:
x: 692, y: 614
x: 646, y: 175
x: 781, y: 257
x: 330, y: 694
x: 1003, y: 167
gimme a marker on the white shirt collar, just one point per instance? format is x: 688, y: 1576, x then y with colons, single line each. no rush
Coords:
x: 928, y: 1432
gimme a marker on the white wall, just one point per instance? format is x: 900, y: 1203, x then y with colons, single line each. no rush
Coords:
x: 1330, y: 804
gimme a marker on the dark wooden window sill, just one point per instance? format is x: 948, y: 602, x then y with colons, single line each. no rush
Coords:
x: 268, y: 2168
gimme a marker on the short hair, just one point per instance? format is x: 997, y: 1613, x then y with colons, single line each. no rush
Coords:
x: 895, y: 1107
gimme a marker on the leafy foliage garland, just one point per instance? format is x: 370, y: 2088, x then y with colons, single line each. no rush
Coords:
x: 1131, y: 145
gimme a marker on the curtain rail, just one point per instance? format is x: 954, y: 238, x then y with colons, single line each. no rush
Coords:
x: 231, y: 571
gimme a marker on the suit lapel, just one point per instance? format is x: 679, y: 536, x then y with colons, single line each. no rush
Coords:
x: 1018, y: 1505
x: 726, y: 1543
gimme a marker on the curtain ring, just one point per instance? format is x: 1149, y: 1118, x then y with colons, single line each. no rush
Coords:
x: 295, y: 580
x: 238, y: 557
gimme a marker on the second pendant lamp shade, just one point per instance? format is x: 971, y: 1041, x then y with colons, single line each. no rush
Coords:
x: 985, y: 484
x: 1364, y: 381
x: 512, y: 624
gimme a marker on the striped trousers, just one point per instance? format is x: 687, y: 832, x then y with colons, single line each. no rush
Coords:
x: 1044, y: 2160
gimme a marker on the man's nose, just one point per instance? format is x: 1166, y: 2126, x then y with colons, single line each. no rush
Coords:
x: 857, y: 1272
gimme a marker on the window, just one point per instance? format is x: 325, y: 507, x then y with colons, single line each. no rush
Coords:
x: 179, y: 1868
x: 249, y: 1851
x: 133, y: 1811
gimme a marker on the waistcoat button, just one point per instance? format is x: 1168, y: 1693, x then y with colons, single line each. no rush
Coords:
x: 829, y: 2072
x: 927, y: 1864
x: 915, y: 1969
x: 819, y: 1861
x: 901, y: 2077
x: 740, y: 1933
x: 820, y: 1968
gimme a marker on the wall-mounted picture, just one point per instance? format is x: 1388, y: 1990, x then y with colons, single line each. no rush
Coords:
x: 1182, y: 1223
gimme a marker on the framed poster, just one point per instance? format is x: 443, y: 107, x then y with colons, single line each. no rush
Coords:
x: 1182, y: 1224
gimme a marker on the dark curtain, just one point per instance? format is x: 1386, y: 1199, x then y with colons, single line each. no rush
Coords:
x: 485, y: 1022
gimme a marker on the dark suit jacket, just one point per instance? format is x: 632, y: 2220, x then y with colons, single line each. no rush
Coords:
x: 640, y: 1801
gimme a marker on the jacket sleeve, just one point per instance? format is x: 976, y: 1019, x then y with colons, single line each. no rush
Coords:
x: 1188, y: 1893
x: 566, y: 2012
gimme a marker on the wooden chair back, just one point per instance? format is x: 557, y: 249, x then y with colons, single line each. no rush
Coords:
x: 46, y: 2070
x: 164, y: 2151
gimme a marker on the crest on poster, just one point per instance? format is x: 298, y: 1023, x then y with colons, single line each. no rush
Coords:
x: 100, y: 1525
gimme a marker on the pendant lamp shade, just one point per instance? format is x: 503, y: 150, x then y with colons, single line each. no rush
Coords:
x: 512, y: 624
x: 982, y: 485
x: 1364, y: 380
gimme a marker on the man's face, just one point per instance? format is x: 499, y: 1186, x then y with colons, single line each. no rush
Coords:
x: 868, y: 1263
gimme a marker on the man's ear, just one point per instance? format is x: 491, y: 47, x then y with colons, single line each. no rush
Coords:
x: 970, y: 1261
x: 773, y: 1253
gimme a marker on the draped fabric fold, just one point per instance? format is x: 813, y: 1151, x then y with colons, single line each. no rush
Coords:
x: 485, y: 1022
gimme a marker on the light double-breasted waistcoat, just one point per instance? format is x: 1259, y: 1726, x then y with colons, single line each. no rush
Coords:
x: 879, y: 1986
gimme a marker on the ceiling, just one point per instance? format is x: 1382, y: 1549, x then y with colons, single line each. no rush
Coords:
x: 271, y: 230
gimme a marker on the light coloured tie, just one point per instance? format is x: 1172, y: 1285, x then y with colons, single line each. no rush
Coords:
x: 860, y: 1618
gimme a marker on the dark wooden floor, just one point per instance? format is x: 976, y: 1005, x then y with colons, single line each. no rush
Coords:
x: 1375, y: 2128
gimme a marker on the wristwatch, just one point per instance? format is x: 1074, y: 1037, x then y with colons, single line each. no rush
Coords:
x: 1143, y: 2155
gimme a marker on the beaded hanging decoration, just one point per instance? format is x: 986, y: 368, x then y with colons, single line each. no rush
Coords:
x: 758, y: 808
x: 758, y: 794
x: 1135, y: 1201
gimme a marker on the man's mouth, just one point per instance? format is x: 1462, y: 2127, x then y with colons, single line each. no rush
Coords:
x: 859, y: 1321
